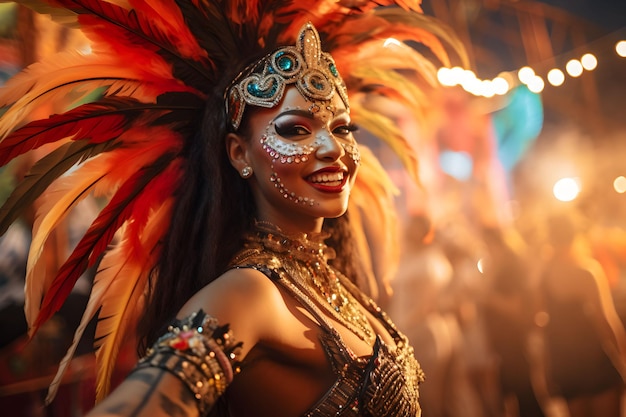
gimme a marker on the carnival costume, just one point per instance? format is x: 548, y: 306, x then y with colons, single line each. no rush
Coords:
x: 383, y: 384
x: 139, y: 95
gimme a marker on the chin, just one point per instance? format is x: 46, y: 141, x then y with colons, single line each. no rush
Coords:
x: 334, y: 212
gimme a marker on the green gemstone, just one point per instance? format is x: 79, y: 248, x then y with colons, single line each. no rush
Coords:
x: 333, y: 70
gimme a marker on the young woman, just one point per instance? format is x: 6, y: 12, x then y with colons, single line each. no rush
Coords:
x: 244, y: 230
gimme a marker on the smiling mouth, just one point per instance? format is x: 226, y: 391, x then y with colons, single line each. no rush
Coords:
x: 328, y: 181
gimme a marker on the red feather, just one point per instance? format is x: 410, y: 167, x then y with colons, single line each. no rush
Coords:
x: 97, y: 238
x: 172, y: 27
x: 144, y: 31
x: 99, y: 122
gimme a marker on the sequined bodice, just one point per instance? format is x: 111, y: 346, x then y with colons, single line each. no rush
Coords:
x: 383, y: 384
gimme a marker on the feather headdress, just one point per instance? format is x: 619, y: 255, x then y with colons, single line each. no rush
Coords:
x: 138, y: 96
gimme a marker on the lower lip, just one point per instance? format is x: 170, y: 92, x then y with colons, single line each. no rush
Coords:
x: 330, y: 188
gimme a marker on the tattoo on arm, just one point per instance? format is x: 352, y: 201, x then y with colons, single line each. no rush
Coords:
x: 187, y: 397
x: 123, y: 407
x: 170, y: 407
x: 145, y: 377
x: 152, y: 381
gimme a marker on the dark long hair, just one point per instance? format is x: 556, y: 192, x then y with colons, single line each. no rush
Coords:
x: 214, y: 209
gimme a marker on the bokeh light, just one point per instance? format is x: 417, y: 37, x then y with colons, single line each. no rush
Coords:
x: 589, y: 62
x: 526, y: 74
x: 566, y: 189
x: 536, y: 84
x: 556, y: 77
x: 500, y: 85
x: 619, y: 184
x: 620, y: 48
x: 574, y: 67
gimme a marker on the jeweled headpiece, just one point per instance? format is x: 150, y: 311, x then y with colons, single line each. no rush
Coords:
x: 263, y: 82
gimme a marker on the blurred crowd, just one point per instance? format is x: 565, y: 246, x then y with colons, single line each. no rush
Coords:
x: 507, y: 324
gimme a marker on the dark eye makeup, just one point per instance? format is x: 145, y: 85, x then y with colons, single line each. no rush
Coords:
x: 345, y: 129
x: 288, y: 130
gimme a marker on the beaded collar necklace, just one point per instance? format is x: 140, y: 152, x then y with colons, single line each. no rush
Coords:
x: 317, y: 279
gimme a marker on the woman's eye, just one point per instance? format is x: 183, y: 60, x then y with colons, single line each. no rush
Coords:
x: 345, y: 129
x: 292, y: 130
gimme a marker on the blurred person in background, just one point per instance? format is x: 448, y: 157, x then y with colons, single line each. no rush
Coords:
x: 509, y: 307
x: 419, y: 289
x: 585, y: 341
x: 465, y: 294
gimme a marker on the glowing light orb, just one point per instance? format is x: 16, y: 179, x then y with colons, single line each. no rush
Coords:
x: 566, y: 189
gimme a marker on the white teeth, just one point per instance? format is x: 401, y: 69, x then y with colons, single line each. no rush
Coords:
x: 327, y: 177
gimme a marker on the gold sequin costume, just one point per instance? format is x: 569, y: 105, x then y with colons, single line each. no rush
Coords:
x: 383, y: 384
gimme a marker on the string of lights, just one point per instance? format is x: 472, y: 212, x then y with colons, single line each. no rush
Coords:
x: 506, y: 81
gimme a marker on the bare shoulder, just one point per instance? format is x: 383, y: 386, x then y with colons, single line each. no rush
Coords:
x: 245, y: 299
x: 235, y: 288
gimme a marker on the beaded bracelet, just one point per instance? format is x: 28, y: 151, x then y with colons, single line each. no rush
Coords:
x: 201, y: 353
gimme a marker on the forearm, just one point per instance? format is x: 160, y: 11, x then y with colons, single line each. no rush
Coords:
x: 183, y: 374
x: 149, y: 392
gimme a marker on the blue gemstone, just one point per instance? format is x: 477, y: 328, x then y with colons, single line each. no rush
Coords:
x: 285, y: 63
x: 256, y: 91
x: 317, y: 83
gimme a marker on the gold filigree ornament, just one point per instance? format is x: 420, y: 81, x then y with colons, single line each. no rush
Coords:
x: 263, y: 82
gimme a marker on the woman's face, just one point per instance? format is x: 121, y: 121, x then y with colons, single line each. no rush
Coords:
x: 304, y: 159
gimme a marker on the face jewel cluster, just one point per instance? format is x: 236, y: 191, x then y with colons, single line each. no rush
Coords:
x: 275, y: 179
x: 263, y: 83
x: 286, y: 152
x: 352, y: 149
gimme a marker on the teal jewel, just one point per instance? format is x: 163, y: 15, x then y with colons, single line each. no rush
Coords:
x: 285, y: 63
x: 333, y: 70
x: 257, y: 91
x: 317, y: 83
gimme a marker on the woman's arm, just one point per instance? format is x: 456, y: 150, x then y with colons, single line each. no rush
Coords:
x: 150, y: 392
x: 183, y: 373
x: 189, y: 367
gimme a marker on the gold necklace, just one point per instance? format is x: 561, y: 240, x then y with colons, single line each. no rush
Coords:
x: 316, y: 278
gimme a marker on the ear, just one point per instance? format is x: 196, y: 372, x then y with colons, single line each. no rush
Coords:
x: 236, y: 147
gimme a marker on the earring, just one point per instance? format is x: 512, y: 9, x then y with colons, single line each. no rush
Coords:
x: 246, y: 172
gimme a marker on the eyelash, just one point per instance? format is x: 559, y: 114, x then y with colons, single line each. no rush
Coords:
x: 291, y: 130
x: 296, y: 130
x: 350, y: 128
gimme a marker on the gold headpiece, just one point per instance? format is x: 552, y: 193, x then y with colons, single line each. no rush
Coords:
x: 263, y: 82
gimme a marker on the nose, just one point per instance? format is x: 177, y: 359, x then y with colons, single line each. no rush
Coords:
x: 329, y: 148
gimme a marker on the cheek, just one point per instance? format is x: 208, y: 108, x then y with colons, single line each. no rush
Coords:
x: 286, y: 170
x: 352, y: 150
x: 281, y: 177
x: 282, y: 172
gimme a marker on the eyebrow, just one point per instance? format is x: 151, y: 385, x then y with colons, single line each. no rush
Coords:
x: 306, y: 113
